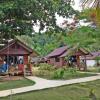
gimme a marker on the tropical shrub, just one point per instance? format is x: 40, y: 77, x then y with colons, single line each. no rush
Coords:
x: 58, y: 73
x: 71, y: 70
x: 45, y: 66
x: 98, y: 69
x: 41, y: 73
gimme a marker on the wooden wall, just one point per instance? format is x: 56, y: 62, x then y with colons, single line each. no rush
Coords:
x: 1, y: 60
x: 61, y: 62
x: 25, y: 59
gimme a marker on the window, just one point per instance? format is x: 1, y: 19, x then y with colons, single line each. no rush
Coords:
x: 57, y: 59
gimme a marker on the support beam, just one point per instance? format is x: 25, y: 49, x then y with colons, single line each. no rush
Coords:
x: 85, y: 67
x: 78, y: 61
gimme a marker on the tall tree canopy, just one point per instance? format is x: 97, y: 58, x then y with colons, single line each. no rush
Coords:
x: 85, y: 37
x: 94, y: 4
x: 17, y: 17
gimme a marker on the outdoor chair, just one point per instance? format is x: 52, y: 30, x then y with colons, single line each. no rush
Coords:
x: 14, y: 71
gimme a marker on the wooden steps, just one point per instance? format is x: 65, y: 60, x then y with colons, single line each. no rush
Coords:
x: 27, y: 72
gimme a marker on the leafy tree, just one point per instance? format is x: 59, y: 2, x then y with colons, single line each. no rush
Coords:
x: 17, y: 17
x: 85, y: 37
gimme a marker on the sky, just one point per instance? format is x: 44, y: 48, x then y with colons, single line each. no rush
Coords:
x: 77, y: 5
x: 60, y: 19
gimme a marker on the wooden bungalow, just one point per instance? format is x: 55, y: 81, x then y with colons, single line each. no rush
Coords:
x: 93, y: 59
x: 66, y: 56
x: 16, y: 53
x: 54, y: 57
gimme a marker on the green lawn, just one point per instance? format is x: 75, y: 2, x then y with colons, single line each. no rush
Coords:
x: 67, y: 75
x: 71, y: 92
x: 50, y: 72
x: 15, y: 84
x: 94, y: 69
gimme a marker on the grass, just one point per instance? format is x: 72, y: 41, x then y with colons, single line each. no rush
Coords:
x: 67, y: 75
x: 77, y: 75
x: 94, y: 69
x: 15, y: 84
x: 50, y: 72
x: 71, y: 92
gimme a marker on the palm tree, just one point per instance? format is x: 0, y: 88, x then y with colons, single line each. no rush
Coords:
x: 93, y: 4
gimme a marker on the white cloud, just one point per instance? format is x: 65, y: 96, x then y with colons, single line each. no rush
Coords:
x: 77, y: 6
x: 60, y: 19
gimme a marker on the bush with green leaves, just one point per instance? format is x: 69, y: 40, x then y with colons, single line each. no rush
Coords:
x: 71, y: 70
x: 57, y: 74
x: 41, y: 73
x: 45, y: 66
x: 98, y: 69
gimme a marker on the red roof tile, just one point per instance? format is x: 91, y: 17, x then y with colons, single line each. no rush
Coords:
x: 64, y: 54
x: 93, y: 56
x: 9, y: 49
x: 57, y: 52
x: 96, y: 53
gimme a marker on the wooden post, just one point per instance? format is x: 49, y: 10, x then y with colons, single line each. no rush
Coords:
x: 25, y: 59
x: 30, y: 65
x: 1, y: 59
x: 78, y: 62
x: 85, y: 68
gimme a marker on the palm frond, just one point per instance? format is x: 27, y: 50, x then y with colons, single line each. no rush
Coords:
x: 89, y: 3
x: 94, y: 4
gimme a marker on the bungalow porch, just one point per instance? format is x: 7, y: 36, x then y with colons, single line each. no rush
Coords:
x: 15, y: 54
x: 67, y: 56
